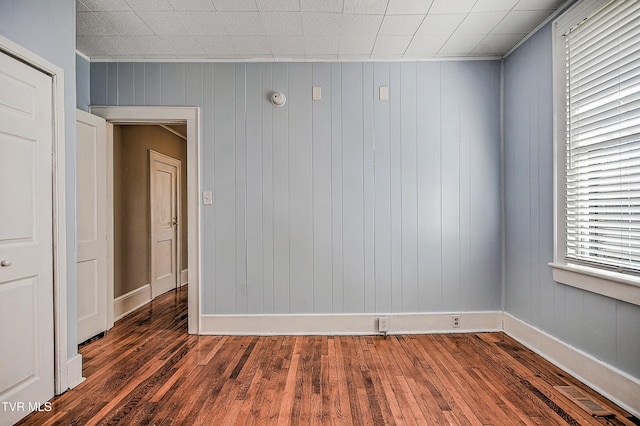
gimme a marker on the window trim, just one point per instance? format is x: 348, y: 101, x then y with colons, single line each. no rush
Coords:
x: 616, y: 285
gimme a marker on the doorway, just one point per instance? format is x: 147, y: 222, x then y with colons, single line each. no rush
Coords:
x: 167, y: 116
x: 149, y: 202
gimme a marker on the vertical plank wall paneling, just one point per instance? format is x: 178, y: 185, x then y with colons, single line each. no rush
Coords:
x: 321, y: 139
x: 605, y: 328
x: 346, y: 204
x: 382, y: 191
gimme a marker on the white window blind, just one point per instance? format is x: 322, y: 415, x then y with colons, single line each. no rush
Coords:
x: 602, y: 193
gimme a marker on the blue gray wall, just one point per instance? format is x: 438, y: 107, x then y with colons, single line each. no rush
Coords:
x: 83, y: 70
x: 605, y: 328
x: 47, y: 28
x: 347, y: 204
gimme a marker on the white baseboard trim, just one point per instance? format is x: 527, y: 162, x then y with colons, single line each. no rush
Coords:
x: 184, y: 277
x: 131, y: 301
x: 347, y: 324
x: 612, y: 383
x: 74, y: 371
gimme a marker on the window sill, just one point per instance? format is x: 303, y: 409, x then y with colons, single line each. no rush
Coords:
x: 610, y: 284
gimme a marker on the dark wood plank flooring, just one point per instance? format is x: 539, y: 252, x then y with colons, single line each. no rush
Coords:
x: 148, y: 371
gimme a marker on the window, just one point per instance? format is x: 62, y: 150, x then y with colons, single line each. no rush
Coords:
x: 597, y: 89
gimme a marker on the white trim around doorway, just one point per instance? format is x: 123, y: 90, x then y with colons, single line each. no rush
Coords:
x: 155, y: 115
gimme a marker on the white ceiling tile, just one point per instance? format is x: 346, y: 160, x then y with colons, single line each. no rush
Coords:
x: 322, y: 45
x: 249, y: 45
x: 387, y: 57
x: 80, y: 7
x: 158, y: 45
x: 282, y: 23
x: 187, y: 45
x: 538, y: 4
x: 440, y: 24
x: 163, y: 23
x: 217, y: 45
x: 104, y: 45
x: 192, y: 5
x: 243, y: 23
x: 361, y: 25
x: 520, y: 22
x: 235, y: 5
x: 400, y: 24
x: 290, y: 45
x: 102, y: 5
x: 322, y: 57
x: 245, y: 29
x: 425, y: 46
x: 369, y: 7
x: 278, y: 5
x: 391, y: 45
x: 149, y: 4
x: 493, y: 5
x: 87, y: 23
x: 127, y: 58
x: 480, y: 23
x: 356, y: 45
x: 459, y: 45
x: 203, y: 23
x: 148, y: 45
x: 334, y: 6
x: 348, y: 57
x: 159, y: 57
x: 408, y: 7
x: 124, y: 23
x: 497, y: 44
x: 451, y: 6
x: 326, y: 24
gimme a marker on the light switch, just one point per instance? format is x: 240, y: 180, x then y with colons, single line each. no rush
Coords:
x: 207, y: 198
x: 384, y: 93
x: 317, y: 93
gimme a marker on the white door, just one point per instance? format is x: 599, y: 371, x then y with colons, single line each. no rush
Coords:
x: 26, y: 240
x: 92, y: 227
x: 164, y: 173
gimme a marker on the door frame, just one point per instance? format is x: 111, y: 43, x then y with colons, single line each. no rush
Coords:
x: 66, y: 372
x: 153, y: 156
x: 155, y: 115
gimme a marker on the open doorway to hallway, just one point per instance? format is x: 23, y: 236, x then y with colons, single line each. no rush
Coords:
x: 155, y: 115
x: 150, y: 210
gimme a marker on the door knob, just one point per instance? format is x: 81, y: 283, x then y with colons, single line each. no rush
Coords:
x: 175, y: 221
x: 5, y: 262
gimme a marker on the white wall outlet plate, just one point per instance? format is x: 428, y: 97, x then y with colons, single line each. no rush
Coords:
x: 317, y: 93
x: 383, y: 324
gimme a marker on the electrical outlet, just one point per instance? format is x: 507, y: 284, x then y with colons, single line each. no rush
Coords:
x: 383, y: 324
x: 455, y: 321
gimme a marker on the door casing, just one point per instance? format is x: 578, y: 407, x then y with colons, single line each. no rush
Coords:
x: 116, y: 115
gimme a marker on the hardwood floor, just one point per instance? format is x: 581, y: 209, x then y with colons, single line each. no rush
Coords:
x: 148, y: 371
